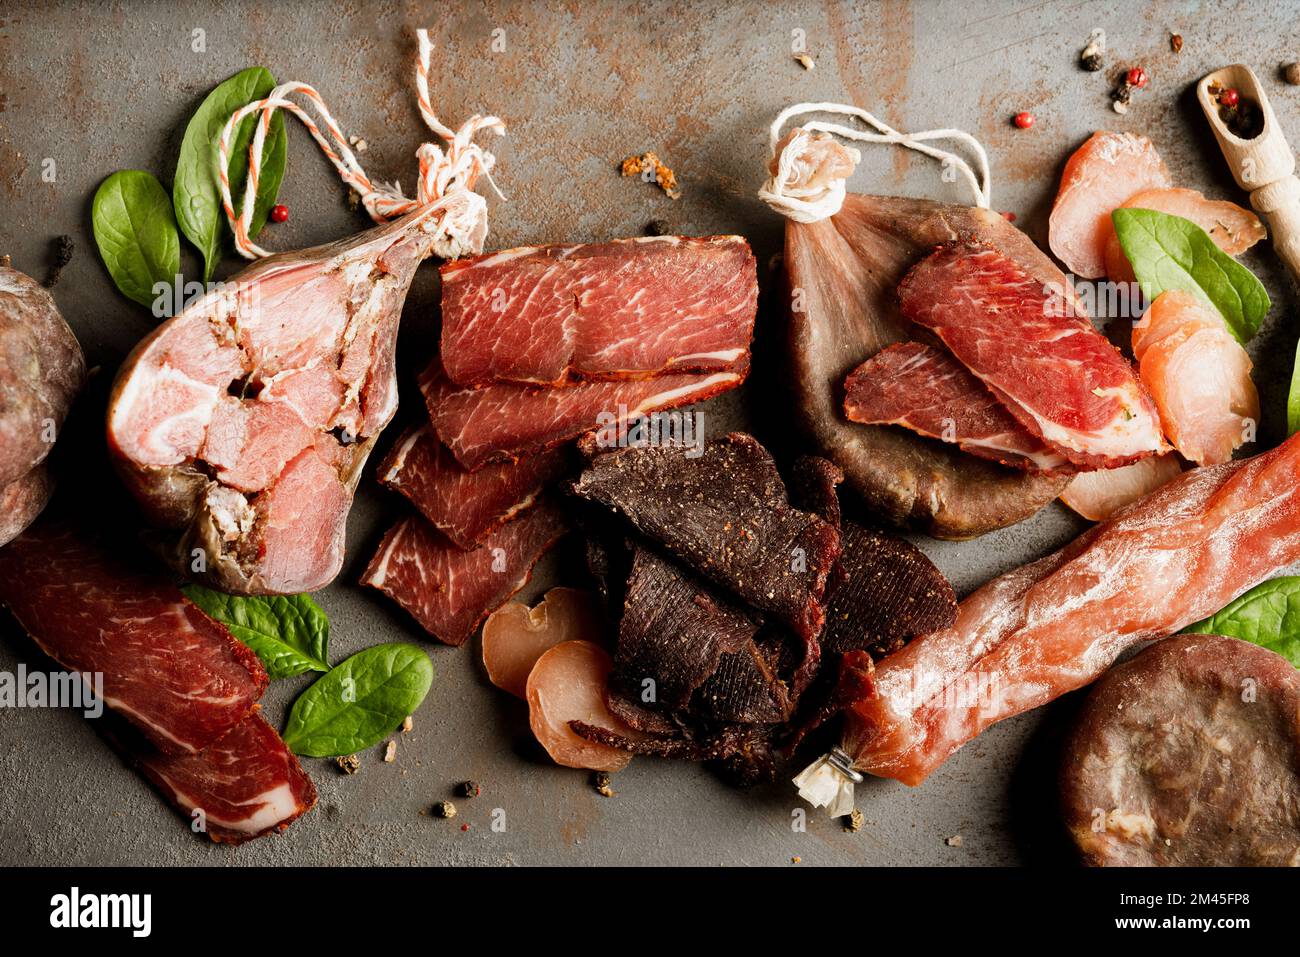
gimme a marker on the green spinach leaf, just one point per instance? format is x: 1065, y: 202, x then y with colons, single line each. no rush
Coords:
x: 136, y: 233
x: 1169, y: 252
x: 1293, y: 397
x: 360, y: 701
x: 196, y: 192
x: 1268, y: 615
x: 289, y: 633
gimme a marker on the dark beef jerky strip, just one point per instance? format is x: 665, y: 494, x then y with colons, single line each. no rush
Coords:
x: 723, y: 512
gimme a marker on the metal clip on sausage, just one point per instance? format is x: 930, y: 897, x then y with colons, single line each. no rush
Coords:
x: 828, y: 782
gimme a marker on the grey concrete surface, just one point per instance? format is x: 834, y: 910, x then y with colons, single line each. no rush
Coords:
x: 103, y: 86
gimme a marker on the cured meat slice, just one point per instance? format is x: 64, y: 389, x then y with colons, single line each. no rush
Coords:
x: 1233, y: 229
x: 676, y: 634
x: 243, y: 423
x: 1028, y: 636
x: 887, y: 593
x: 448, y: 590
x: 842, y: 277
x: 1199, y: 376
x: 243, y: 785
x: 568, y: 684
x: 515, y: 636
x: 814, y: 483
x: 923, y: 388
x: 22, y: 500
x: 1100, y: 176
x: 506, y: 421
x: 625, y: 309
x: 176, y: 674
x: 1099, y: 495
x: 1188, y: 756
x: 1038, y: 353
x: 723, y: 512
x: 465, y: 505
x: 41, y: 371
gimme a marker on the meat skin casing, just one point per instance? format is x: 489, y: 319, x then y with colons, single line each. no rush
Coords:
x: 1029, y: 636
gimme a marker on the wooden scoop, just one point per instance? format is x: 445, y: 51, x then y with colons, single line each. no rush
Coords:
x: 1263, y: 165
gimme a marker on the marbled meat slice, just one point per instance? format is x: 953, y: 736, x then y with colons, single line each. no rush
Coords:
x: 515, y: 636
x: 723, y: 513
x: 506, y: 421
x: 242, y: 425
x: 923, y: 388
x: 1052, y: 626
x: 449, y: 590
x: 675, y: 634
x: 566, y: 685
x: 1035, y: 348
x: 177, y: 674
x: 630, y: 308
x: 887, y: 593
x: 842, y: 278
x: 245, y: 784
x: 465, y: 505
x: 1188, y: 756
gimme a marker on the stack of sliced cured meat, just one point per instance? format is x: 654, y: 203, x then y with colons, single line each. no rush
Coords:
x: 1006, y: 368
x: 539, y: 346
x: 182, y: 690
x: 726, y: 584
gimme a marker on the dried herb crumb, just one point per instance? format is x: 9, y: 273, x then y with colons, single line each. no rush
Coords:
x: 469, y: 789
x: 954, y: 841
x: 348, y: 764
x: 600, y: 781
x: 649, y: 163
x: 407, y: 724
x: 445, y: 809
x: 852, y: 821
x: 390, y: 752
x: 63, y: 250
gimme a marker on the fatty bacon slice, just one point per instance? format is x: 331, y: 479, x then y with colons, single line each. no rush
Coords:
x: 505, y: 421
x: 1031, y: 635
x: 448, y: 590
x: 465, y: 506
x: 1037, y: 351
x: 923, y: 388
x: 631, y: 308
x: 243, y: 423
x: 176, y: 674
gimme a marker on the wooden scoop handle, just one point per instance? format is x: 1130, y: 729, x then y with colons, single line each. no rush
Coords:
x: 1264, y: 164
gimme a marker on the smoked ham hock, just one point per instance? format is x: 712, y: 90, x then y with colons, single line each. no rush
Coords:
x: 242, y: 424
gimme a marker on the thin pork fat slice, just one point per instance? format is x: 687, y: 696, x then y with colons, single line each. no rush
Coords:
x: 923, y: 388
x: 506, y: 421
x: 724, y: 514
x: 465, y: 506
x: 243, y: 424
x: 1029, y: 636
x: 178, y: 675
x: 1037, y: 351
x: 245, y: 784
x: 448, y: 590
x: 630, y: 308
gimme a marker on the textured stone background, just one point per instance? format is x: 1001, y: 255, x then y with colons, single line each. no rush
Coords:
x: 99, y: 87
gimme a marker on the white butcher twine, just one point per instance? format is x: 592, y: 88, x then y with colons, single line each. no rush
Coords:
x: 810, y: 204
x: 446, y: 181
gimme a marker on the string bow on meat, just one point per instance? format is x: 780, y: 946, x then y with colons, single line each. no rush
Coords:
x: 447, y: 174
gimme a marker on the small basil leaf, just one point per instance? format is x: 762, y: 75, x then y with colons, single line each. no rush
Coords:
x: 1268, y: 615
x: 136, y: 233
x: 196, y: 192
x: 358, y: 702
x: 1293, y: 397
x: 289, y: 633
x: 1169, y: 252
